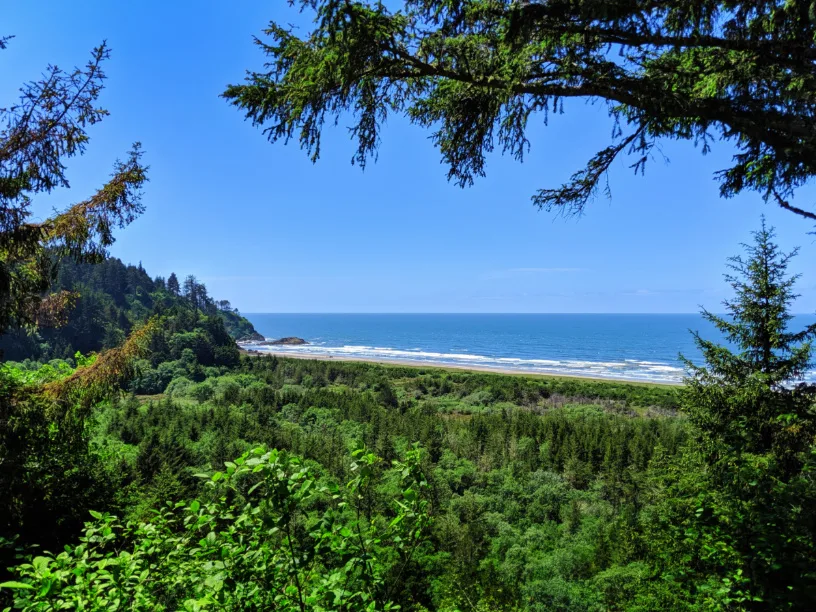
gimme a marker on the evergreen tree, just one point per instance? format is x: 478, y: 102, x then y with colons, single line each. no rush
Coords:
x: 203, y: 299
x: 43, y: 427
x: 748, y: 397
x: 751, y: 484
x: 479, y: 73
x: 173, y: 284
x: 190, y: 291
x: 39, y: 132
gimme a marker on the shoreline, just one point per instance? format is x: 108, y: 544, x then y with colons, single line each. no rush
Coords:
x: 458, y: 368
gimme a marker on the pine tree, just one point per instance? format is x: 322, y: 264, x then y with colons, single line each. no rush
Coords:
x: 749, y: 479
x: 748, y: 397
x: 173, y: 284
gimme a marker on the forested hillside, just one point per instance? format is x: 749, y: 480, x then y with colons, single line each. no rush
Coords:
x: 111, y: 299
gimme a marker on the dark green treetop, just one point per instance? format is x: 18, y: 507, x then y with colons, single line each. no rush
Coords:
x: 751, y: 396
x: 477, y: 72
x: 173, y: 284
x: 739, y: 504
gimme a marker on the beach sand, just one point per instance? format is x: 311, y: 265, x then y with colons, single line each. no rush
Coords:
x: 466, y: 368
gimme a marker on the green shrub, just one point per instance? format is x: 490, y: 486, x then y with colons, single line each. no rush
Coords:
x: 257, y: 540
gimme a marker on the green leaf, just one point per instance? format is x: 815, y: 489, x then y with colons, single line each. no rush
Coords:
x: 13, y: 584
x: 41, y: 563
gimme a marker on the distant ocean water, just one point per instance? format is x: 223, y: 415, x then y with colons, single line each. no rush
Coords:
x: 637, y: 347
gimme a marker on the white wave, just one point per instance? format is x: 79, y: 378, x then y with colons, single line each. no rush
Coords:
x: 664, y: 368
x: 596, y: 364
x: 629, y: 369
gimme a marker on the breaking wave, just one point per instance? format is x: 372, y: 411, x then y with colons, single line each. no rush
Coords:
x: 628, y: 369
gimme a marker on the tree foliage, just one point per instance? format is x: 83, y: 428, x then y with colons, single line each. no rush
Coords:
x: 39, y: 132
x: 267, y: 534
x: 173, y: 284
x: 477, y: 72
x: 112, y: 300
x: 526, y: 476
x: 146, y: 337
x: 739, y: 502
x: 43, y: 420
x: 751, y: 397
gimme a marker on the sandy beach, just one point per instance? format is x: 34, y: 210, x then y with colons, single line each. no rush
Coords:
x: 466, y: 368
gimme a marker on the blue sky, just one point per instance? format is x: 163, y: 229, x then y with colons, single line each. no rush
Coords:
x: 270, y: 231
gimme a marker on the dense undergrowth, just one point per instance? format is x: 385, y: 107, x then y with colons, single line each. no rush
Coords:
x: 537, y: 488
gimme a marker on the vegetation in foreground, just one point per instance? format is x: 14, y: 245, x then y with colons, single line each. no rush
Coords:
x: 440, y: 490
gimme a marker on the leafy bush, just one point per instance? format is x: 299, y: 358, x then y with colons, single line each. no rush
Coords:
x: 269, y: 534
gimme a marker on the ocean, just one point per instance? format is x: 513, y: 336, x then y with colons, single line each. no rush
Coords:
x: 636, y: 347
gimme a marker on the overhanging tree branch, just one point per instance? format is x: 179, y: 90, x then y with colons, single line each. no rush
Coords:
x: 666, y: 70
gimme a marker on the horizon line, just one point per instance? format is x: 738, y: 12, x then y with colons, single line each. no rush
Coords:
x: 491, y: 313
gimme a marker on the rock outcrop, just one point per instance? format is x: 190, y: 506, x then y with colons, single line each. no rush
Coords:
x: 290, y: 340
x: 253, y: 338
x: 257, y: 339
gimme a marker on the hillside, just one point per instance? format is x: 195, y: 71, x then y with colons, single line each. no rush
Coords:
x: 113, y: 298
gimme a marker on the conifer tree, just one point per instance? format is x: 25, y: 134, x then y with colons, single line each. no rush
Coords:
x: 190, y: 291
x: 46, y: 126
x: 478, y: 74
x: 750, y: 397
x: 173, y: 284
x: 751, y: 488
x: 42, y: 424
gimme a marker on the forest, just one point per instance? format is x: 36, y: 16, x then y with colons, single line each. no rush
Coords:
x: 536, y: 486
x: 214, y: 480
x: 111, y: 300
x: 146, y: 463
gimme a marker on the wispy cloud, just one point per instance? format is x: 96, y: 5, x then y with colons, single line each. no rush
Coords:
x: 515, y: 272
x: 276, y: 278
x: 544, y: 270
x: 238, y: 278
x: 648, y: 292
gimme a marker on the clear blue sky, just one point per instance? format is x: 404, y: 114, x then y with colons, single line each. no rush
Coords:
x: 268, y: 230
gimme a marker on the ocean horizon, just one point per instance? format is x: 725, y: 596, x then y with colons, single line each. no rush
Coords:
x: 634, y: 347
